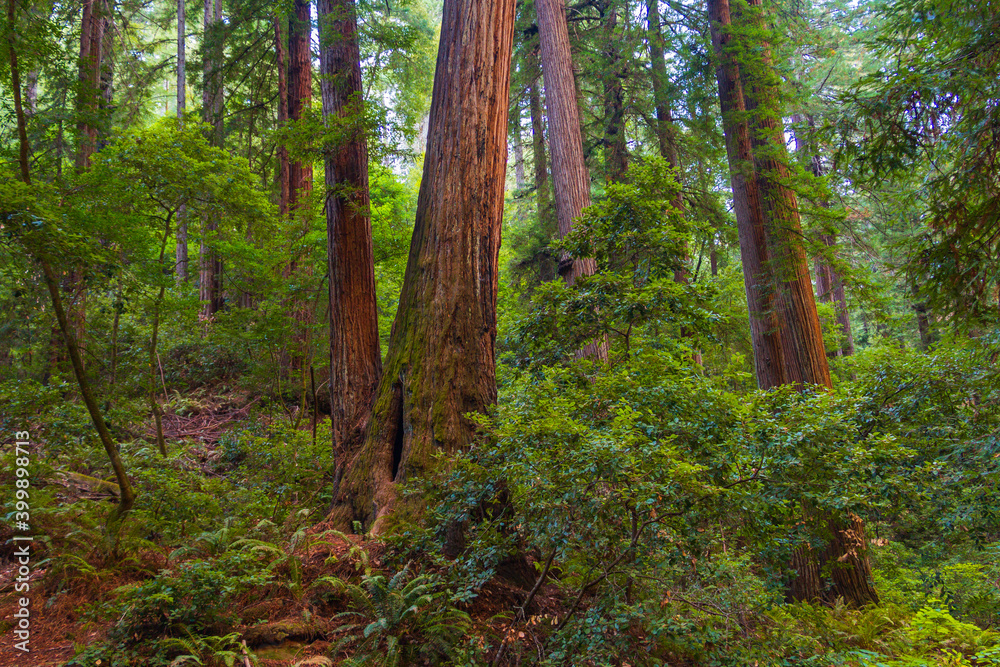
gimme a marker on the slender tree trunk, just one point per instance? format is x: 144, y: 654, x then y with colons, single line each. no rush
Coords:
x: 283, y: 167
x: 210, y: 279
x: 543, y: 198
x: 88, y: 94
x: 829, y: 285
x: 355, y: 352
x: 615, y: 141
x: 440, y: 364
x: 15, y: 76
x: 664, y: 121
x: 830, y: 288
x: 570, y: 177
x: 127, y: 494
x: 181, y: 256
x: 31, y: 92
x: 299, y: 93
x: 519, y: 179
x: 107, y: 72
x: 787, y: 340
x: 666, y: 133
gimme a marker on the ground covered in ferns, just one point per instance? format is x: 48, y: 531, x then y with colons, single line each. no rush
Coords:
x: 585, y: 542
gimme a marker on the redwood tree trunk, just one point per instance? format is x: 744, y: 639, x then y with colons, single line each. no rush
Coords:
x: 440, y: 363
x: 210, y: 279
x: 355, y: 354
x: 570, y: 177
x: 785, y: 331
x: 299, y: 92
x: 283, y: 167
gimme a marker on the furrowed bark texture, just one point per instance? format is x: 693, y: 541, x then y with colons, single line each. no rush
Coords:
x: 355, y: 355
x: 440, y: 363
x: 785, y: 331
x: 570, y: 178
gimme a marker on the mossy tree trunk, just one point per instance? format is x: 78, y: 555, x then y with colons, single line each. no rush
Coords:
x: 440, y: 362
x: 785, y: 331
x: 355, y: 353
x: 570, y: 177
x: 212, y: 103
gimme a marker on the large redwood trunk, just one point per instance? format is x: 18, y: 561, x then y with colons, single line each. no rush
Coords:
x: 355, y: 355
x: 440, y: 363
x: 785, y: 330
x: 570, y: 177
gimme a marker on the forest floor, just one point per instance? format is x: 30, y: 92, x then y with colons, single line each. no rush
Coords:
x: 278, y: 627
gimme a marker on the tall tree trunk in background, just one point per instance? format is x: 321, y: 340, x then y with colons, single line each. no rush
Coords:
x: 543, y: 197
x: 31, y: 92
x: 107, y: 72
x: 666, y: 132
x: 664, y: 122
x: 615, y: 71
x: 88, y: 107
x: 181, y: 256
x: 299, y: 93
x: 519, y: 179
x: 570, y: 177
x: 126, y: 492
x: 830, y: 288
x: 355, y: 353
x: 89, y: 91
x: 829, y: 285
x: 283, y: 167
x: 787, y: 340
x: 210, y: 280
x: 440, y: 364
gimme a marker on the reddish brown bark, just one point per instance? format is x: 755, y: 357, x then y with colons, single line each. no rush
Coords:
x: 283, y: 167
x: 787, y: 339
x: 210, y: 262
x: 299, y: 93
x: 543, y: 198
x: 614, y: 73
x: 440, y: 364
x: 785, y: 330
x: 355, y: 354
x: 181, y: 254
x: 570, y: 177
x: 88, y: 95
